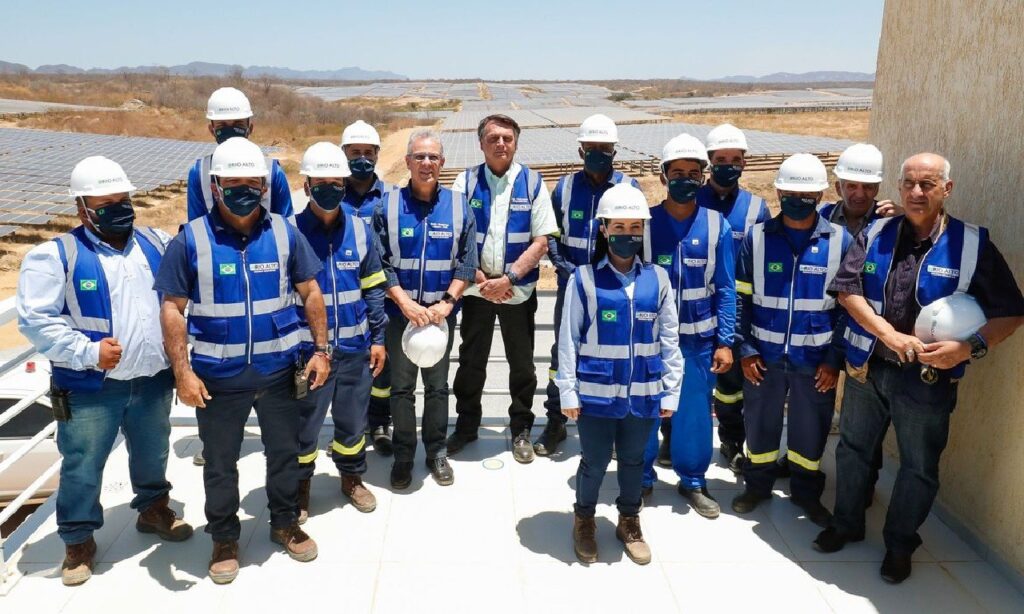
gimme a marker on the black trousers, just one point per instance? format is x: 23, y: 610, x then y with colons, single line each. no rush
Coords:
x: 517, y: 332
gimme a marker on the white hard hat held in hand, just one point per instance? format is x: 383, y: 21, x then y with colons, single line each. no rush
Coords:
x: 951, y: 318
x: 598, y: 129
x: 99, y: 176
x: 726, y: 136
x: 425, y: 345
x: 623, y: 202
x: 228, y: 103
x: 238, y: 157
x: 802, y: 172
x: 360, y: 133
x: 324, y: 159
x: 860, y: 162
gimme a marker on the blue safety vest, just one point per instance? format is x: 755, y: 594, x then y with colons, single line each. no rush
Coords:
x: 342, y: 251
x: 577, y: 202
x: 746, y: 211
x: 690, y: 264
x: 619, y: 368
x: 792, y: 310
x: 525, y: 189
x: 242, y: 309
x: 87, y: 297
x: 365, y: 208
x: 946, y: 269
x: 423, y: 248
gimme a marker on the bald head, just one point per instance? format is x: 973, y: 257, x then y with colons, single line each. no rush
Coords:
x: 931, y: 162
x: 924, y: 188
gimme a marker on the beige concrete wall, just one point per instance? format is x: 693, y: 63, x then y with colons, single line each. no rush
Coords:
x: 951, y: 80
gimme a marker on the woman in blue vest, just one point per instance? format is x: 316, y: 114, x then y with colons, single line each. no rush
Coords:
x: 619, y: 366
x: 786, y: 323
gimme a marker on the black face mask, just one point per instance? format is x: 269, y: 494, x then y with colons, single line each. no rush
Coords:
x: 625, y: 246
x: 327, y: 196
x: 362, y: 168
x: 597, y: 161
x: 798, y: 207
x: 115, y: 219
x: 241, y: 200
x: 726, y: 175
x: 683, y: 190
x: 224, y: 133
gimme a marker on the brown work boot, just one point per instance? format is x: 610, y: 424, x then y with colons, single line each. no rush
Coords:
x: 224, y: 562
x: 297, y: 544
x: 303, y: 501
x: 360, y: 496
x: 158, y: 518
x: 78, y: 562
x: 584, y: 540
x: 632, y: 538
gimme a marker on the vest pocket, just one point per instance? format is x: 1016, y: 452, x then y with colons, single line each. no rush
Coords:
x: 211, y: 330
x: 653, y: 367
x: 596, y: 370
x: 285, y: 321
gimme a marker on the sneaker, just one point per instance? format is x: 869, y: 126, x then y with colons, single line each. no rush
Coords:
x: 297, y: 544
x: 382, y: 441
x: 701, y: 501
x: 441, y: 470
x: 360, y: 496
x: 554, y: 434
x: 584, y: 540
x: 78, y: 562
x: 628, y: 532
x: 198, y: 459
x: 665, y: 451
x: 224, y: 562
x: 161, y: 520
x: 522, y: 449
x: 303, y: 497
x: 401, y: 475
x: 456, y: 441
x: 747, y: 501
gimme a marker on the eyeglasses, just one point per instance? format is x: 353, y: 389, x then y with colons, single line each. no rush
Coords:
x: 422, y: 157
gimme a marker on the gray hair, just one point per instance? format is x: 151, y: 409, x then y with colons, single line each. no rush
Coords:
x: 945, y: 166
x: 422, y: 134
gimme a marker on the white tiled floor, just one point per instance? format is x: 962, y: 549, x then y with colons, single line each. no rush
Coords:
x: 497, y: 541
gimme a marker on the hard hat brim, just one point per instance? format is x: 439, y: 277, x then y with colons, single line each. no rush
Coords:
x: 858, y: 177
x: 344, y: 173
x: 801, y: 187
x: 228, y: 116
x: 104, y: 191
x: 600, y: 139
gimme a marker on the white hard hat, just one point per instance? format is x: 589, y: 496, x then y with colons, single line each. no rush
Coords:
x: 951, y: 318
x: 425, y: 345
x: 361, y: 133
x: 802, y: 172
x: 99, y: 176
x: 238, y: 157
x: 324, y: 159
x: 228, y: 103
x: 684, y: 147
x: 860, y: 162
x: 726, y: 136
x: 598, y: 129
x: 623, y: 202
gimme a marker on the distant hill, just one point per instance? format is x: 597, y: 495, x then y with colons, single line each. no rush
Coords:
x: 208, y: 69
x: 820, y: 76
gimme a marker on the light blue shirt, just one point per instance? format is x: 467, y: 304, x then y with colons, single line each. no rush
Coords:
x: 134, y: 307
x: 571, y: 331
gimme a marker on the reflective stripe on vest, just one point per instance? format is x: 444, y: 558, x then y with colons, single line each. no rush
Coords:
x: 792, y: 310
x: 424, y: 253
x: 578, y: 234
x: 525, y: 188
x: 619, y: 367
x: 205, y: 178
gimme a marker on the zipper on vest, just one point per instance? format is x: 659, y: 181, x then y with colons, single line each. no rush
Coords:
x: 423, y: 254
x: 792, y: 285
x: 248, y: 307
x: 334, y: 288
x: 632, y: 358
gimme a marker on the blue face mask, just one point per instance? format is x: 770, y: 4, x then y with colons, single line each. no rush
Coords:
x: 224, y: 133
x: 625, y: 246
x: 115, y: 219
x: 726, y: 175
x: 597, y: 161
x: 327, y: 196
x: 683, y: 190
x: 362, y: 167
x: 798, y: 207
x: 241, y: 200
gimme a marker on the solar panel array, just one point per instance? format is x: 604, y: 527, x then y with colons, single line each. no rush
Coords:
x: 838, y: 99
x: 35, y: 167
x: 538, y: 147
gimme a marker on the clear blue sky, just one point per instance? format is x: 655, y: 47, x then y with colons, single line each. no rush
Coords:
x: 540, y: 39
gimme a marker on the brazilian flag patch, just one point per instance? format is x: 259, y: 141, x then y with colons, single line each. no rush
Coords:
x: 227, y: 269
x: 476, y: 203
x: 609, y: 315
x: 86, y: 284
x: 407, y: 232
x: 870, y: 267
x: 576, y: 214
x: 774, y: 267
x: 665, y: 259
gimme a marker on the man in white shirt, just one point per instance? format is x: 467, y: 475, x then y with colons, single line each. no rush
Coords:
x: 513, y: 218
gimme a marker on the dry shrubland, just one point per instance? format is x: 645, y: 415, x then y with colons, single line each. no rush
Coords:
x: 851, y: 125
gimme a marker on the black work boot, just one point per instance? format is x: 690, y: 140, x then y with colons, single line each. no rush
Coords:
x: 665, y: 451
x: 547, y: 443
x: 747, y: 501
x: 522, y: 449
x: 441, y: 470
x: 701, y: 501
x: 732, y: 452
x: 456, y: 441
x: 382, y: 441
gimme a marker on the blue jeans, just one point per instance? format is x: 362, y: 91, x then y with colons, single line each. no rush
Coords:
x: 140, y: 408
x: 920, y: 416
x: 691, y: 427
x: 347, y: 394
x: 629, y: 435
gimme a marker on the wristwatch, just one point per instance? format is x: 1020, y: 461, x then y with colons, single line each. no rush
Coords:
x: 512, y: 277
x: 448, y: 298
x: 324, y: 349
x: 978, y: 346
